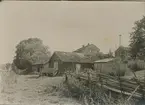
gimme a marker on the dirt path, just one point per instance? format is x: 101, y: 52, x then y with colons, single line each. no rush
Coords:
x: 29, y: 90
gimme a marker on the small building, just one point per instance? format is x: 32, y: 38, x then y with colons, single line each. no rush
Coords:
x: 63, y: 61
x: 37, y: 67
x: 122, y: 52
x: 110, y: 65
x: 103, y: 64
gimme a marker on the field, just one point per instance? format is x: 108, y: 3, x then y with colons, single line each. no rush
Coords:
x: 30, y: 90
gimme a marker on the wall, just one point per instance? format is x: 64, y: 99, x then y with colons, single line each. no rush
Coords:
x: 53, y: 59
x: 110, y: 67
x: 64, y: 66
x: 68, y: 66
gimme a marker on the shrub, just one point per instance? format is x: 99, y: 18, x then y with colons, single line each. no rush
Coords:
x: 136, y: 65
x: 91, y: 94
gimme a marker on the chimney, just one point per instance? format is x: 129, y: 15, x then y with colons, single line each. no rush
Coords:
x: 83, y: 46
x: 88, y: 43
x: 120, y: 40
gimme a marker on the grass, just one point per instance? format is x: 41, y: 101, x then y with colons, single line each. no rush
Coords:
x: 26, y: 89
x: 29, y: 90
x: 94, y: 94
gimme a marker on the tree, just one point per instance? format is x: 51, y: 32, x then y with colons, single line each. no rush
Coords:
x: 137, y: 40
x: 29, y: 52
x: 110, y: 54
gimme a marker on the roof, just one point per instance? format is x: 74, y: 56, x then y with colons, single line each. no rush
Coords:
x: 122, y: 48
x: 40, y: 62
x: 90, y: 46
x: 104, y: 60
x: 73, y: 57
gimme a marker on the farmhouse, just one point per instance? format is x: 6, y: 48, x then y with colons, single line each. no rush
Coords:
x: 88, y: 49
x: 63, y: 61
x: 122, y: 52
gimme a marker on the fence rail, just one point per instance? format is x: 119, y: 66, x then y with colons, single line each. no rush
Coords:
x: 132, y: 88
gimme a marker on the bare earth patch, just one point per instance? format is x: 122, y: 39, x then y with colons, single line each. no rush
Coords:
x: 30, y: 90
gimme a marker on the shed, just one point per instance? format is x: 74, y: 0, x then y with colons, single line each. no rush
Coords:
x: 63, y: 61
x: 37, y: 67
x: 103, y: 64
x: 111, y: 66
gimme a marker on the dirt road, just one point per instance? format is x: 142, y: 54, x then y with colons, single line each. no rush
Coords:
x: 30, y: 90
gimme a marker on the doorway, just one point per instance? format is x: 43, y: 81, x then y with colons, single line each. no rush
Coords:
x: 78, y: 67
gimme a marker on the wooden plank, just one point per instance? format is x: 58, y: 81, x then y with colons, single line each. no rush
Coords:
x: 133, y: 93
x: 118, y: 91
x: 113, y: 84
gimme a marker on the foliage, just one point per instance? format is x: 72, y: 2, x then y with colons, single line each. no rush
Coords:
x: 103, y: 56
x: 92, y: 94
x: 30, y: 51
x: 137, y: 45
x: 136, y: 65
x: 118, y: 68
x: 6, y: 66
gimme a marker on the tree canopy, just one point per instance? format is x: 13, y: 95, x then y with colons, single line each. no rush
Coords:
x: 137, y: 40
x: 31, y: 51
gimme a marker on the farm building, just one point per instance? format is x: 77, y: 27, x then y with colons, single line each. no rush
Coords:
x: 88, y: 49
x: 37, y: 67
x: 69, y: 61
x: 110, y: 65
x: 103, y: 63
x: 122, y: 52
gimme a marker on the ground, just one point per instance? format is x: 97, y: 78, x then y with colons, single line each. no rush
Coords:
x: 30, y: 90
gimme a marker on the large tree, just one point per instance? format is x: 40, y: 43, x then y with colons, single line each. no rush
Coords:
x: 137, y: 40
x: 30, y: 51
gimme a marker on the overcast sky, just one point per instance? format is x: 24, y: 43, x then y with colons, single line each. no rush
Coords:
x: 66, y: 26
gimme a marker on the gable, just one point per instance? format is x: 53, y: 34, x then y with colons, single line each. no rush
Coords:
x: 90, y: 48
x: 121, y: 48
x: 54, y: 57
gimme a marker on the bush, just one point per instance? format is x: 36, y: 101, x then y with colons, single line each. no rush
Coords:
x: 91, y: 94
x: 136, y: 65
x: 118, y: 68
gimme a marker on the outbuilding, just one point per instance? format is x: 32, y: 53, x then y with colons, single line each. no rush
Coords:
x: 63, y: 61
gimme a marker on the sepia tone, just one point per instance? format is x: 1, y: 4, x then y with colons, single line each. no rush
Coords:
x: 72, y: 53
x: 77, y: 0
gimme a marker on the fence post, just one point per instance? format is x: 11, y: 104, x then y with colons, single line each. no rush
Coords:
x: 89, y: 79
x: 89, y: 83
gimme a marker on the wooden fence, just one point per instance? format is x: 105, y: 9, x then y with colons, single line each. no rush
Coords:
x: 131, y: 88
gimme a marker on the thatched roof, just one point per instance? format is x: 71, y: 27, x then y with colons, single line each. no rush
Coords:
x: 73, y: 57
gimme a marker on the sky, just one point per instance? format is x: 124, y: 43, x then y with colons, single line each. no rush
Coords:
x: 66, y: 26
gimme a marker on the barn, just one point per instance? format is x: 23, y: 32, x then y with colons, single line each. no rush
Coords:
x: 63, y: 61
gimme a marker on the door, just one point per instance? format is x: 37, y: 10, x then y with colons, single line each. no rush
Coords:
x: 78, y: 67
x: 56, y: 65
